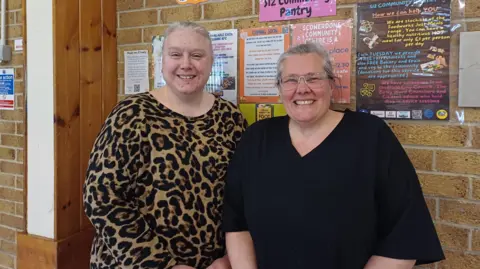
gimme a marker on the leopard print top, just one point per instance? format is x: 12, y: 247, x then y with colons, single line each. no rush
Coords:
x: 154, y: 184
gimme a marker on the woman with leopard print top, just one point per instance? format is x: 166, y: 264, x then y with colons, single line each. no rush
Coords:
x: 154, y: 185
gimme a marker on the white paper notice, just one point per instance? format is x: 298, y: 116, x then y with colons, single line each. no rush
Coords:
x: 261, y: 56
x: 136, y: 71
x: 157, y: 45
x: 223, y: 79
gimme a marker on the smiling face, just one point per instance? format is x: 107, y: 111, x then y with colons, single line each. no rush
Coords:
x: 187, y: 61
x: 311, y: 99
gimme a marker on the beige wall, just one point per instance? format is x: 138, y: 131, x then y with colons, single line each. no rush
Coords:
x: 12, y: 130
x: 446, y: 155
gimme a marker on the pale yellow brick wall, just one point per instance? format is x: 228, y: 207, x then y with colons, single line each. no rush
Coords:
x: 446, y: 155
x: 12, y: 130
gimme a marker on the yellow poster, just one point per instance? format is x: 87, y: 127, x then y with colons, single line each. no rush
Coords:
x: 255, y: 112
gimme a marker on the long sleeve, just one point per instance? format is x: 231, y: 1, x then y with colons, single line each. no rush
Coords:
x: 406, y: 229
x: 109, y: 196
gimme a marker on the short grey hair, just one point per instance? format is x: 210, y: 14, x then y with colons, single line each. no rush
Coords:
x: 199, y: 29
x: 307, y: 48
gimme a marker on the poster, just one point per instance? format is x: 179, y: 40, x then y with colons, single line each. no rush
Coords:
x: 403, y: 53
x: 7, y: 89
x: 260, y: 49
x: 281, y: 10
x: 136, y: 71
x: 223, y: 79
x: 157, y: 47
x: 260, y: 111
x: 336, y: 37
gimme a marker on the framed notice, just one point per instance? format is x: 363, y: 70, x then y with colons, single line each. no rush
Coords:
x: 260, y: 49
x: 403, y: 57
x: 336, y: 37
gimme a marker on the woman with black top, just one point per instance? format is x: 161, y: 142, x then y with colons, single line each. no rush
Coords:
x: 323, y: 189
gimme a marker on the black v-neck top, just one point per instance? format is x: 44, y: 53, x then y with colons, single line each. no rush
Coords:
x: 353, y: 196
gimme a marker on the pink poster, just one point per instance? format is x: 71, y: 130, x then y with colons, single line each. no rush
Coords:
x: 336, y: 37
x: 280, y: 10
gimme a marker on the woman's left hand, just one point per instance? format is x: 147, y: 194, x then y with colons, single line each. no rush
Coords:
x: 222, y: 263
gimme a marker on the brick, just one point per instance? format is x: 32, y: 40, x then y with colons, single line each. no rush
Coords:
x: 129, y: 36
x: 432, y: 207
x: 12, y: 221
x: 476, y: 189
x: 472, y: 8
x: 217, y: 25
x: 14, y: 31
x: 19, y: 17
x: 20, y: 155
x: 13, y: 140
x: 458, y: 162
x: 17, y: 59
x: 121, y: 70
x: 138, y: 18
x: 473, y: 26
x: 7, y: 127
x: 421, y: 159
x: 447, y: 186
x: 476, y: 135
x: 183, y: 13
x: 452, y: 237
x: 19, y: 73
x: 160, y: 3
x: 7, y: 234
x: 7, y: 153
x: 227, y: 9
x: 7, y: 260
x: 19, y: 209
x: 7, y: 180
x: 121, y: 50
x: 19, y: 87
x: 254, y: 23
x: 11, y: 18
x: 8, y: 247
x: 7, y: 207
x: 459, y: 260
x: 20, y: 128
x: 460, y: 212
x: 16, y: 115
x: 11, y: 168
x: 129, y: 4
x: 11, y: 194
x: 430, y: 135
x: 19, y: 101
x: 150, y: 32
x: 14, y: 4
x: 476, y: 240
x: 19, y: 182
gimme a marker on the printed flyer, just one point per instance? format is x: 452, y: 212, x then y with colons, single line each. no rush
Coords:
x: 260, y: 49
x: 157, y: 47
x: 403, y: 53
x: 336, y: 37
x: 281, y: 10
x: 223, y: 79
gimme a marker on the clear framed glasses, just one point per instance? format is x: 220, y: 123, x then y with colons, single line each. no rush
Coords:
x: 312, y: 80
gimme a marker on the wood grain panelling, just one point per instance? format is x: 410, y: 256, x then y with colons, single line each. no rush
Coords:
x: 90, y: 81
x: 109, y: 45
x: 67, y: 120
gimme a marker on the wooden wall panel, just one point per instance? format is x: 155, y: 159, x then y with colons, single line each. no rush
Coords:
x: 91, y: 49
x: 109, y: 45
x: 67, y: 120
